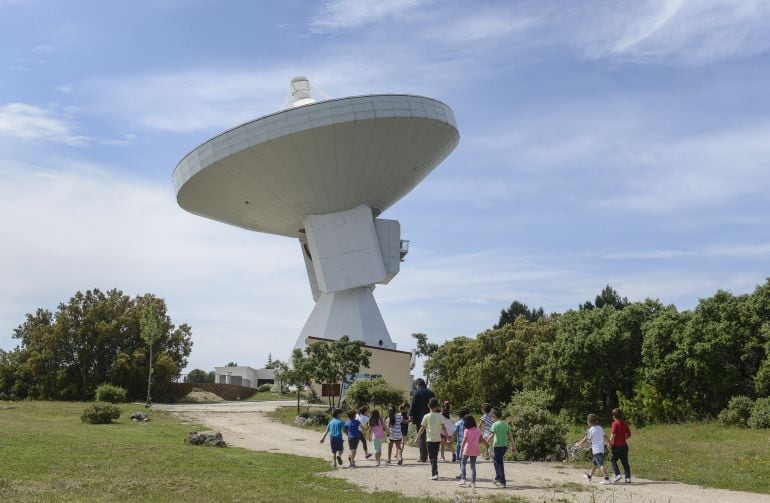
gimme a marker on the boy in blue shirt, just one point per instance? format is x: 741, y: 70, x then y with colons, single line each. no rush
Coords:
x: 459, y: 429
x: 334, y: 430
x: 353, y: 430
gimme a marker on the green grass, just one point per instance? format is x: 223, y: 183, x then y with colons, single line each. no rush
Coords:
x: 705, y: 454
x: 266, y: 396
x: 288, y: 414
x: 48, y: 454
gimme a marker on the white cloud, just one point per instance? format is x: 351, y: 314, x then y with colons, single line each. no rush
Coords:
x: 79, y: 227
x: 215, y: 99
x: 732, y: 251
x: 707, y: 170
x: 694, y: 31
x: 31, y: 123
x: 188, y: 101
x: 337, y: 15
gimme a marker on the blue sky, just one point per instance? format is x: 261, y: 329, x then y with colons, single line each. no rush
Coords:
x: 601, y: 142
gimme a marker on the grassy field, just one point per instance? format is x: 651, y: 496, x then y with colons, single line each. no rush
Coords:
x: 704, y: 454
x: 266, y: 396
x: 48, y: 454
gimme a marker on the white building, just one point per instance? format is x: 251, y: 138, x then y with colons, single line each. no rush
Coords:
x: 243, y: 376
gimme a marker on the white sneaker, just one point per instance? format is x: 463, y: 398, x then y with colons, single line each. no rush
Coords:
x: 605, y: 482
x: 473, y: 485
x: 461, y: 483
x: 617, y: 478
x: 434, y: 477
x: 628, y: 480
x: 587, y: 477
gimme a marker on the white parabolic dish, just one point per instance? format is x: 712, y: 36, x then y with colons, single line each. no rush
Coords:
x: 269, y: 174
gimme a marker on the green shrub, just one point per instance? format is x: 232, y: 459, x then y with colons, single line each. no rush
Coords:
x: 373, y: 391
x: 100, y: 413
x: 110, y: 393
x: 312, y: 397
x: 649, y: 406
x: 535, y: 398
x: 760, y: 413
x: 540, y: 434
x: 737, y: 412
x: 264, y: 388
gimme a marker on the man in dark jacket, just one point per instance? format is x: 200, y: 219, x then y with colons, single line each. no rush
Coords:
x: 418, y: 410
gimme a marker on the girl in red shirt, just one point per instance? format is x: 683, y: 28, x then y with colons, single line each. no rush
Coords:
x: 620, y: 432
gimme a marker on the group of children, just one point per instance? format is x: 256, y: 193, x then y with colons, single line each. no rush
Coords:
x: 439, y: 432
x: 395, y: 426
x: 619, y: 432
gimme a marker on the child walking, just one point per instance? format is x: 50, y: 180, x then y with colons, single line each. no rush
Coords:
x: 353, y: 430
x: 619, y: 433
x: 405, y: 420
x: 501, y: 433
x: 469, y: 448
x: 377, y: 430
x: 486, y: 428
x: 432, y: 425
x: 334, y: 430
x: 395, y: 437
x: 595, y: 435
x: 459, y: 429
x: 363, y: 417
x: 449, y: 426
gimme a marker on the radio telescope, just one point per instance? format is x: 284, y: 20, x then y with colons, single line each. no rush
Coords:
x: 323, y: 172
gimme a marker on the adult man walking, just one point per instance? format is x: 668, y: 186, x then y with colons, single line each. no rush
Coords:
x: 418, y: 410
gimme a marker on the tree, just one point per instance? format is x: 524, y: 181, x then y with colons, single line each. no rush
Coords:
x: 300, y: 375
x: 269, y: 363
x: 197, y: 376
x: 231, y: 364
x: 595, y: 354
x: 335, y: 361
x: 150, y: 331
x: 279, y: 371
x: 92, y: 339
x: 608, y: 297
x: 518, y: 309
x: 425, y: 349
x: 705, y: 357
x: 374, y: 391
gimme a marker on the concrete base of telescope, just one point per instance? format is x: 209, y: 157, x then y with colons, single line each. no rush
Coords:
x: 352, y: 312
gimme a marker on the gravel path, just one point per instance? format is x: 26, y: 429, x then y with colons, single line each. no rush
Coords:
x: 244, y: 424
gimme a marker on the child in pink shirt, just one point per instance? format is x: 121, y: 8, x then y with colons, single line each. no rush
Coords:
x: 470, y: 448
x: 377, y: 431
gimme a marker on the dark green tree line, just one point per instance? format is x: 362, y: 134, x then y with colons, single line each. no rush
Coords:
x: 668, y: 364
x: 94, y: 338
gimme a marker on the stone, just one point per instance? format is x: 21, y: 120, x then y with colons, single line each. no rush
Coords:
x: 207, y: 438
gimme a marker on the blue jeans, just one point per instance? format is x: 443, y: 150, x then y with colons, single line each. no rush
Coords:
x: 499, y: 466
x: 473, y: 468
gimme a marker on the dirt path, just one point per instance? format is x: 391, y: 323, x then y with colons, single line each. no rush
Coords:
x: 244, y: 424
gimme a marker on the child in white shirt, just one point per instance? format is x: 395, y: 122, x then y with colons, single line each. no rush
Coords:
x: 595, y: 435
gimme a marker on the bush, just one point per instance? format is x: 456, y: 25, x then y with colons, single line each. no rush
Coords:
x: 649, y: 406
x: 3, y: 396
x: 760, y: 413
x: 536, y: 398
x: 312, y: 397
x: 373, y: 391
x: 737, y: 412
x: 110, y: 393
x: 540, y: 434
x: 263, y: 388
x: 100, y: 413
